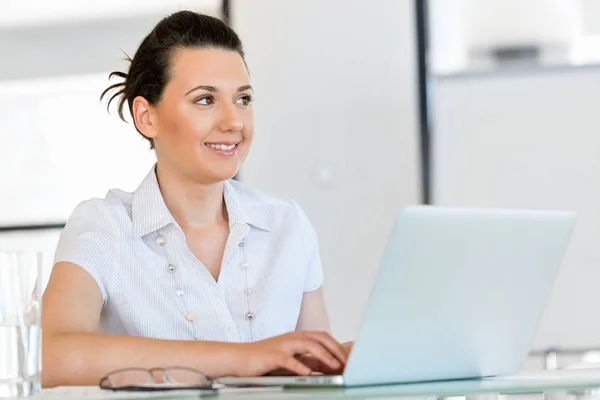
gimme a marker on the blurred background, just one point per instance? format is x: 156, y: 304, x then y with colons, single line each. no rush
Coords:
x: 362, y: 107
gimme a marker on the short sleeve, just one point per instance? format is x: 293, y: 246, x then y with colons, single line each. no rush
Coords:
x: 314, y: 273
x: 91, y: 240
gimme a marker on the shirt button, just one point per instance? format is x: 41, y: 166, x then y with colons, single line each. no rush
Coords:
x: 189, y: 316
x: 179, y: 292
x: 160, y: 240
x: 172, y: 268
x: 242, y: 242
x: 248, y: 291
x: 244, y: 265
x: 250, y: 316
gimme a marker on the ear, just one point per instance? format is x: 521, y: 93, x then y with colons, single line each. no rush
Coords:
x: 142, y: 117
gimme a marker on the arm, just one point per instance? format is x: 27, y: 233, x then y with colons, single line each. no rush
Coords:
x: 74, y: 354
x: 313, y: 316
x: 313, y: 313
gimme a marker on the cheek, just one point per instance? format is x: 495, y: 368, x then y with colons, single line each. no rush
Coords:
x: 198, y: 124
x: 247, y: 137
x: 185, y: 125
x: 248, y: 130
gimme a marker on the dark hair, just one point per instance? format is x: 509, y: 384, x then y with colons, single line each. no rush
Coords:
x: 149, y: 69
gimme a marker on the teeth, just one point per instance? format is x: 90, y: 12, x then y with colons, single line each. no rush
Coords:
x: 221, y: 146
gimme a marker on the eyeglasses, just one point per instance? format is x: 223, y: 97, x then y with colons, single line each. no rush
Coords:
x: 155, y: 379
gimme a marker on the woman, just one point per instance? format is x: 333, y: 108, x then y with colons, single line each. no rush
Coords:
x: 192, y: 269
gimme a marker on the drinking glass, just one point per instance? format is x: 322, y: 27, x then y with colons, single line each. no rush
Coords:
x: 20, y: 323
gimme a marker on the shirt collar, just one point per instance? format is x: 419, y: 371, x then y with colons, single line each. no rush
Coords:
x: 241, y: 212
x: 149, y: 212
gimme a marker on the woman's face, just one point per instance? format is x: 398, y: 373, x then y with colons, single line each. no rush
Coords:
x: 204, y: 124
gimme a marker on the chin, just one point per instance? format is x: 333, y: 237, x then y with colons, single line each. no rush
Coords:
x: 222, y: 175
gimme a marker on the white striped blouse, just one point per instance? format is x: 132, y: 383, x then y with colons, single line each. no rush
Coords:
x: 153, y: 286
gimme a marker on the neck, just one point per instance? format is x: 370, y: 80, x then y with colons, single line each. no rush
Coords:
x: 192, y: 204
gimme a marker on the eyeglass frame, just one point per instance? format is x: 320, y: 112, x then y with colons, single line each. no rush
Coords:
x: 157, y: 386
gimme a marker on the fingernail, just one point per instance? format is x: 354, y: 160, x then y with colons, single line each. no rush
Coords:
x: 335, y: 363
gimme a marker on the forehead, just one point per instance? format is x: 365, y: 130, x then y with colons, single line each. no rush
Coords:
x: 215, y: 67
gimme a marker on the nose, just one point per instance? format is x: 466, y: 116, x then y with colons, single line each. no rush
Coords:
x: 230, y: 121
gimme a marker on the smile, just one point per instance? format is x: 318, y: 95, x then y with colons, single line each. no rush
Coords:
x: 223, y: 149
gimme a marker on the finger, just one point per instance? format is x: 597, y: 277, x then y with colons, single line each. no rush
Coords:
x: 348, y: 346
x: 318, y: 366
x: 317, y: 350
x: 281, y: 372
x: 332, y: 345
x: 290, y: 363
x: 312, y: 363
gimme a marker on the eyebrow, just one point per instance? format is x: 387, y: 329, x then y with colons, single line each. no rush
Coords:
x: 214, y: 89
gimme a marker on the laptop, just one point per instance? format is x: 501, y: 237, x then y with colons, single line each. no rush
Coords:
x: 459, y: 294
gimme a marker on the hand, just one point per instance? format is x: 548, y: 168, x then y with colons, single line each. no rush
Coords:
x: 279, y: 353
x: 315, y: 365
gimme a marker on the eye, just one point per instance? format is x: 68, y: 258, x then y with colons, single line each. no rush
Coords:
x: 205, y: 101
x: 245, y: 100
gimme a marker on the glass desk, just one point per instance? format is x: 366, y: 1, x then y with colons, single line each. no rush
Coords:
x: 542, y: 385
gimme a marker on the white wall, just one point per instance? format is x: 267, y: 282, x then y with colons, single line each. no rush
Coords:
x: 336, y: 127
x: 530, y: 139
x: 591, y: 16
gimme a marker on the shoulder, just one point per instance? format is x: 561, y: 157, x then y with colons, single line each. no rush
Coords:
x: 94, y: 230
x: 92, y: 236
x: 113, y: 212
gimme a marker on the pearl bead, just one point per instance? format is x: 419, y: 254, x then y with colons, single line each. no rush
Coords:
x: 160, y: 240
